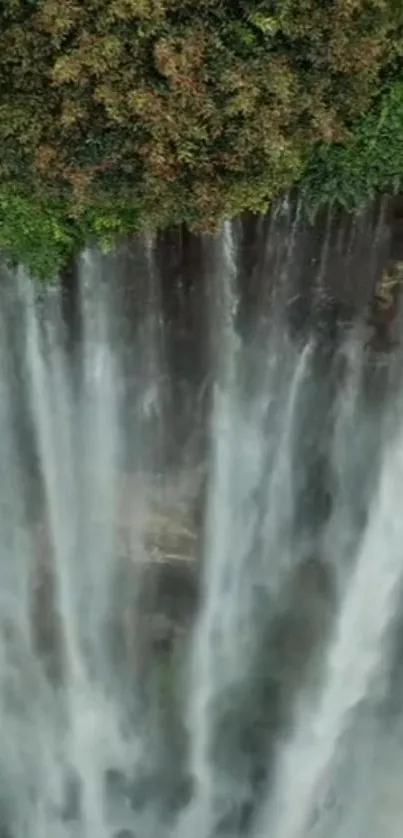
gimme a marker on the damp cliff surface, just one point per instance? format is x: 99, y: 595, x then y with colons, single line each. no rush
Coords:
x: 156, y: 304
x: 201, y: 567
x: 321, y: 278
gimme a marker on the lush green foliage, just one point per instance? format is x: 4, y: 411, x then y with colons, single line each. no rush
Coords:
x: 117, y: 115
x: 368, y: 163
x: 35, y: 232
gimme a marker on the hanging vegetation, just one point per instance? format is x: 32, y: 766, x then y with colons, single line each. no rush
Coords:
x: 119, y: 115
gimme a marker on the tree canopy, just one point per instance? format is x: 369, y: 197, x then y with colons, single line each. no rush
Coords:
x: 120, y: 115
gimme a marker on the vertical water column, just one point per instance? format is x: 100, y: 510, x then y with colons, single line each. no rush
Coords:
x: 352, y: 660
x: 52, y: 411
x: 214, y: 643
x: 96, y: 738
x: 77, y: 430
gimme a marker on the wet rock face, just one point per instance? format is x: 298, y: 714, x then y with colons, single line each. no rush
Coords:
x: 385, y: 303
x: 384, y: 308
x: 327, y: 272
x: 147, y: 632
x: 172, y: 589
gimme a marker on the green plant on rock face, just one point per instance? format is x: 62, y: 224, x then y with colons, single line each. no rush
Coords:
x: 34, y: 234
x: 368, y: 163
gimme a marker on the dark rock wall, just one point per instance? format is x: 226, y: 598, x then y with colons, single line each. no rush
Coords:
x: 318, y: 278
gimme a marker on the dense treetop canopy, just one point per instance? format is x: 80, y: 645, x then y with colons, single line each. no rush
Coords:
x: 118, y: 115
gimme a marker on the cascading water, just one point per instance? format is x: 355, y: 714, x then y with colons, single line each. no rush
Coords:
x: 204, y: 646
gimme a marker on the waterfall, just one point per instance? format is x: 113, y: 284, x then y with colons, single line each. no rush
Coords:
x: 201, y: 563
x: 353, y: 657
